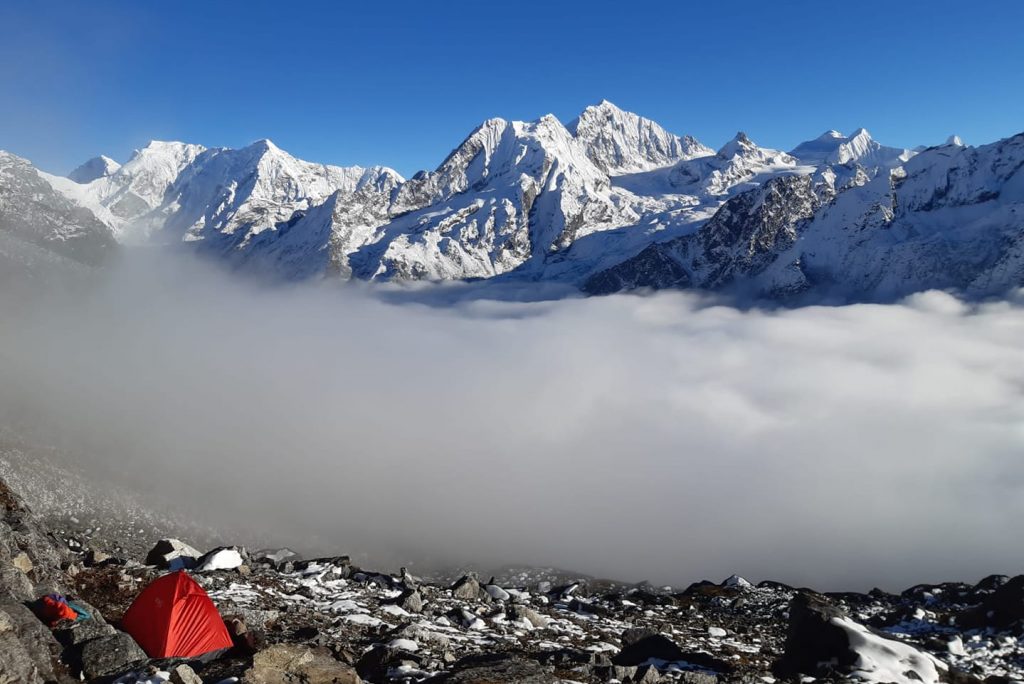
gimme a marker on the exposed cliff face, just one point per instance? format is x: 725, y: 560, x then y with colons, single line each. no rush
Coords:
x: 41, y: 230
x: 737, y: 243
x: 950, y: 218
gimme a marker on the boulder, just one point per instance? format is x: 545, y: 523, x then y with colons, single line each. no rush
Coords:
x: 15, y: 585
x: 519, y: 612
x: 374, y: 664
x: 25, y: 544
x: 1001, y: 608
x: 183, y: 674
x: 410, y: 600
x: 16, y: 663
x: 275, y: 557
x: 737, y: 582
x: 288, y: 663
x: 642, y: 645
x: 497, y: 593
x: 81, y: 632
x: 172, y: 554
x: 110, y: 655
x: 822, y: 641
x: 656, y: 646
x: 467, y: 588
x: 221, y: 558
x: 812, y: 638
x: 498, y: 669
x: 19, y: 625
x: 991, y: 583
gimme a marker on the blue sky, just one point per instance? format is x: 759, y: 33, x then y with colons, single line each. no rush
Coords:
x: 401, y: 83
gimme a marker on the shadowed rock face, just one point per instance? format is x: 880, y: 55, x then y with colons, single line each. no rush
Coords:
x: 741, y: 240
x: 812, y: 639
x: 32, y: 211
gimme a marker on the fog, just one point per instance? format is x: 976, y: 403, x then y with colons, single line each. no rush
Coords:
x: 663, y: 437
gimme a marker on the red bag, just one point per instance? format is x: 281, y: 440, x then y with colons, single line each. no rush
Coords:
x: 54, y: 609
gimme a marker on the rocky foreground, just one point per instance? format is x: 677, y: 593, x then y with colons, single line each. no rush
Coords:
x: 326, y: 620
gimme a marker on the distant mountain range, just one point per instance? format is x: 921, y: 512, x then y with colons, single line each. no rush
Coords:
x: 610, y: 202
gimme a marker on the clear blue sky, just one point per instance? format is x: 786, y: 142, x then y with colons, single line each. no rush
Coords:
x: 401, y: 83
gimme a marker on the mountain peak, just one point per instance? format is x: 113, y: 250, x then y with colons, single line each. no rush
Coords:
x: 621, y: 142
x: 97, y: 167
x: 739, y: 145
x: 606, y: 106
x: 955, y: 141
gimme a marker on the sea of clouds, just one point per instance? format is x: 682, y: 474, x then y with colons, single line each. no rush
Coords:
x: 664, y: 437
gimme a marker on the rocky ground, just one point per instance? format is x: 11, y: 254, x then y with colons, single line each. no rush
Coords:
x: 327, y: 620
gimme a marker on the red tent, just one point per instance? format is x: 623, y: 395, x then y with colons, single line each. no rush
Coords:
x: 173, y: 617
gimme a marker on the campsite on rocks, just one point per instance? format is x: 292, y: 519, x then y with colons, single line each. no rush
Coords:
x: 271, y: 617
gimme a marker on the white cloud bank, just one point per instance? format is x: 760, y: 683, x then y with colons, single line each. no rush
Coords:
x: 659, y: 437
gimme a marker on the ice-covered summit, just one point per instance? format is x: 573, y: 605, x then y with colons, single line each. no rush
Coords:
x: 833, y: 147
x: 97, y: 167
x: 618, y: 141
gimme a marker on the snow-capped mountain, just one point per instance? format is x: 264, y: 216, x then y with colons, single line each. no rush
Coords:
x: 509, y: 193
x: 97, y: 167
x: 621, y: 142
x: 951, y: 218
x: 739, y: 163
x: 832, y: 147
x: 612, y: 201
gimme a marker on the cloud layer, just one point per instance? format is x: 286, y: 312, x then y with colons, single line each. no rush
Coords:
x: 661, y: 437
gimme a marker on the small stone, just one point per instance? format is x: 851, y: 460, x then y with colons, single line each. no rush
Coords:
x: 23, y: 562
x: 95, y: 557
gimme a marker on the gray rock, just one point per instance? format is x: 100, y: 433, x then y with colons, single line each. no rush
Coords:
x: 275, y: 557
x: 466, y: 588
x: 697, y: 677
x: 647, y: 675
x: 16, y: 663
x: 183, y: 674
x: 519, y: 612
x: 36, y: 641
x: 81, y: 632
x: 15, y: 585
x: 172, y: 554
x: 288, y: 663
x: 411, y: 600
x: 499, y: 670
x: 110, y: 655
